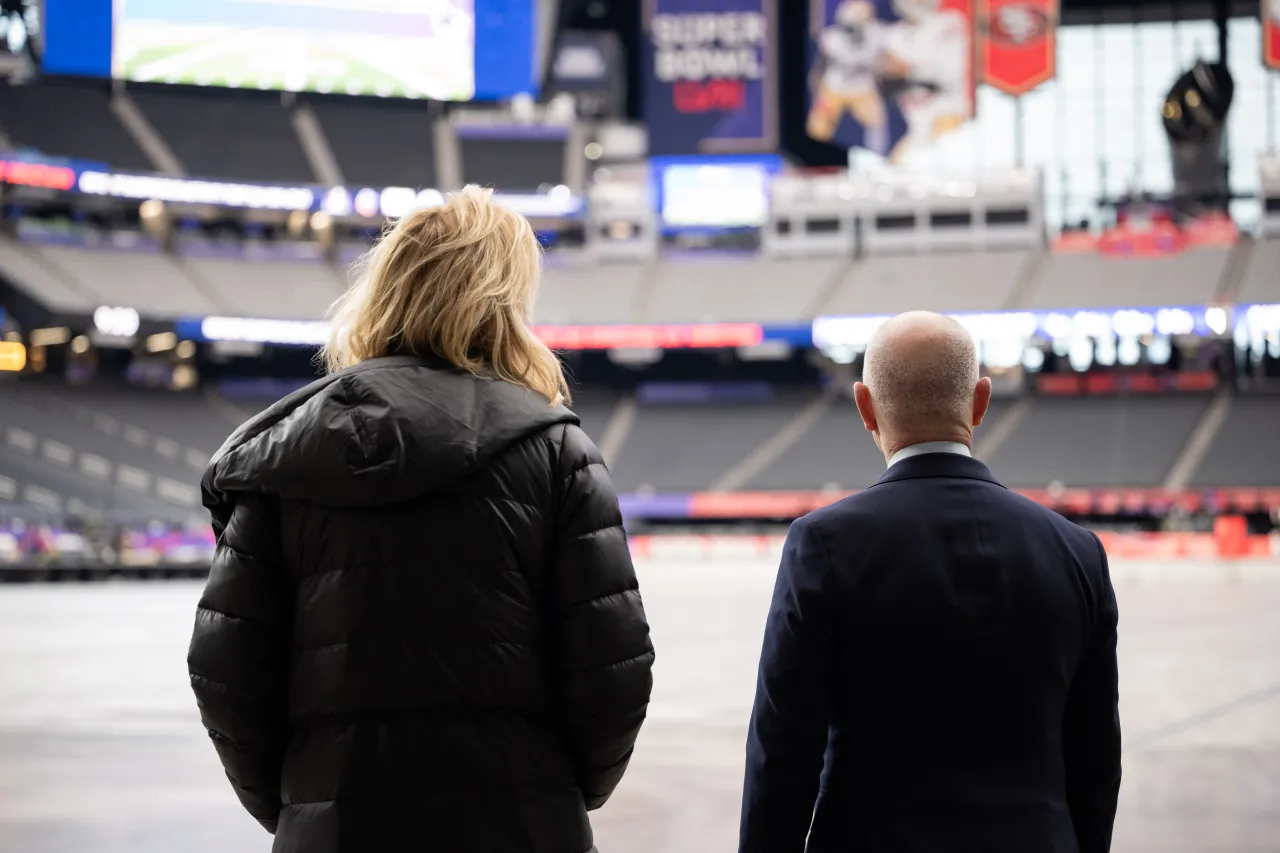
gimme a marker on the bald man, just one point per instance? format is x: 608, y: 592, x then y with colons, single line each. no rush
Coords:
x: 939, y: 664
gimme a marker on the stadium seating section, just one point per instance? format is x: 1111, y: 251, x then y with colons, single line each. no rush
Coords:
x: 227, y: 134
x: 1125, y: 441
x: 68, y: 119
x: 128, y: 277
x: 121, y: 452
x: 575, y: 292
x: 837, y: 453
x: 25, y: 266
x: 1247, y: 449
x: 131, y: 454
x: 1090, y: 280
x: 293, y: 281
x: 247, y: 286
x: 736, y: 288
x: 1262, y: 278
x: 976, y: 281
x: 682, y: 448
x: 380, y: 144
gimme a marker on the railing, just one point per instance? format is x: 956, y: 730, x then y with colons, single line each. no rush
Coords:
x: 32, y: 536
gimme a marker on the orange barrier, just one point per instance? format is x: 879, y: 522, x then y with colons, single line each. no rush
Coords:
x: 1119, y: 546
x: 1231, y: 535
x: 788, y: 505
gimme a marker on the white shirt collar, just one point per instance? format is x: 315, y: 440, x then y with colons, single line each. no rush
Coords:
x: 930, y: 447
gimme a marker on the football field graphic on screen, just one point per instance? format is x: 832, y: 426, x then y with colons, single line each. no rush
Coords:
x: 391, y: 48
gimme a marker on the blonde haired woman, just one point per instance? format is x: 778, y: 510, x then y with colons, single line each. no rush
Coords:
x: 422, y: 629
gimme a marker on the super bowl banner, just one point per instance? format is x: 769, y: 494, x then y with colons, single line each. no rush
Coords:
x: 891, y: 76
x: 1017, y: 43
x: 1271, y: 33
x: 711, y: 76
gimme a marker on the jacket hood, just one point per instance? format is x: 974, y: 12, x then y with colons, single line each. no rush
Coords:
x: 384, y: 431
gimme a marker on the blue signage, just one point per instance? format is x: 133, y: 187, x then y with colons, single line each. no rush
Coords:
x: 710, y: 70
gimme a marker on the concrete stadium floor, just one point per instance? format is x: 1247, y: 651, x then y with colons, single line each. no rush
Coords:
x: 101, y: 750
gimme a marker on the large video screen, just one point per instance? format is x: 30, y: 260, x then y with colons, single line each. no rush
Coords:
x: 439, y: 49
x: 392, y: 48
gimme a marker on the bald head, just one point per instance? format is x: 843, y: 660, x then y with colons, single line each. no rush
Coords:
x: 920, y: 381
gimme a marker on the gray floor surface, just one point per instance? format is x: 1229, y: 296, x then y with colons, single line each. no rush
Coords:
x: 101, y: 750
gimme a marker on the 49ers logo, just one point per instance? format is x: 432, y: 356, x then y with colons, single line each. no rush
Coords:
x: 1018, y: 24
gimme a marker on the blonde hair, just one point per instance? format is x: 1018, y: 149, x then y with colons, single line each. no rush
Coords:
x: 457, y: 281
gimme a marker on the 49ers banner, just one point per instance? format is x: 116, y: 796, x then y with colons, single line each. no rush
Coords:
x: 1017, y: 43
x: 711, y: 76
x: 1271, y: 33
x: 891, y: 76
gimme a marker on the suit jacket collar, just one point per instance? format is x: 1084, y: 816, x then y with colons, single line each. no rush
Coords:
x: 938, y: 465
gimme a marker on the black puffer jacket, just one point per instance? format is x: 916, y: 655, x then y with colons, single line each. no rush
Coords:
x: 422, y: 630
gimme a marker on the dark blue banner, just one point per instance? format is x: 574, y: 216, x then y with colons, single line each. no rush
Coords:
x: 711, y: 76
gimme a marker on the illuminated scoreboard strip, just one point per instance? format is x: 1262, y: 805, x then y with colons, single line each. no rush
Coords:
x: 598, y: 337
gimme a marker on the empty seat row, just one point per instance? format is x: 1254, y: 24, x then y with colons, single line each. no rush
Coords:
x: 685, y: 290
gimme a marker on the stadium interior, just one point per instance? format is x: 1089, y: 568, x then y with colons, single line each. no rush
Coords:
x: 1108, y: 230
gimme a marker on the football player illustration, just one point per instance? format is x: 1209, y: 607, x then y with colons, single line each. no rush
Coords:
x: 926, y: 69
x: 850, y: 53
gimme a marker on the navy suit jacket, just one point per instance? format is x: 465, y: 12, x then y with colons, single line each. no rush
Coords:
x: 938, y: 674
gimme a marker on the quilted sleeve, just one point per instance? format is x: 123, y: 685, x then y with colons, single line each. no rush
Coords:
x: 238, y: 660
x: 604, y: 654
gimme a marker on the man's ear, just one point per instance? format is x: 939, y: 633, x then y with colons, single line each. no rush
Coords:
x: 867, y: 409
x: 981, y: 400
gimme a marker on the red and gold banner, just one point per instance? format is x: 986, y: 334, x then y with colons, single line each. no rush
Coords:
x: 1017, y: 43
x: 1271, y: 33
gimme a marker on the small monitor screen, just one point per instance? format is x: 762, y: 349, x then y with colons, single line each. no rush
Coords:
x: 715, y: 194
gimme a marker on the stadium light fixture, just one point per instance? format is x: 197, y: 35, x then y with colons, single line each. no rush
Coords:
x: 184, y: 377
x: 296, y: 223
x: 13, y: 356
x: 184, y: 191
x: 1263, y: 318
x: 429, y: 198
x: 152, y: 208
x: 366, y: 203
x: 1128, y: 351
x: 1242, y: 335
x: 1216, y: 319
x: 1130, y: 322
x: 116, y: 322
x: 337, y: 202
x: 522, y: 108
x: 162, y: 342
x: 1175, y: 321
x: 51, y: 337
x: 321, y: 222
x: 1003, y: 353
x: 395, y: 202
x: 1160, y: 350
x: 1080, y: 354
x: 1105, y: 352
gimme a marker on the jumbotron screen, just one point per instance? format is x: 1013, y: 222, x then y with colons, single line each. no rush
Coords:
x: 392, y: 48
x: 452, y: 50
